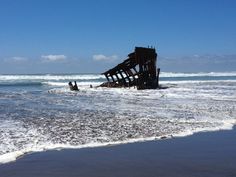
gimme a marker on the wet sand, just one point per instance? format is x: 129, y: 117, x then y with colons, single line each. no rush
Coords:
x: 209, y: 154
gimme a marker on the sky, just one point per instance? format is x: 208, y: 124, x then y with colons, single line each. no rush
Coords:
x: 90, y: 36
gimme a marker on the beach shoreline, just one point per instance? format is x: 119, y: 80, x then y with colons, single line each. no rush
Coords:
x: 201, y: 154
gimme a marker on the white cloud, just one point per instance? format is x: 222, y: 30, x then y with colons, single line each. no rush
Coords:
x: 16, y: 59
x: 196, y: 56
x: 53, y: 58
x: 101, y: 57
x: 19, y: 58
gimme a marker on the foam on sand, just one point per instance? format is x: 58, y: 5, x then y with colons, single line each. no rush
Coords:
x: 50, y: 116
x: 12, y: 156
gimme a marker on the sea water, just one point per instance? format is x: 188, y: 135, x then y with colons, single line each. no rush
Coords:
x: 39, y: 112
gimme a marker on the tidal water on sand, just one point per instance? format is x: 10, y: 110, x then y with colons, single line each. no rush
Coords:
x: 39, y: 112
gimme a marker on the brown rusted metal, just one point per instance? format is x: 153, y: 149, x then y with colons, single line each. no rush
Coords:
x: 139, y: 70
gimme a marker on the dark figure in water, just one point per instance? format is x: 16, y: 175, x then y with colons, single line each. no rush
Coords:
x: 73, y: 87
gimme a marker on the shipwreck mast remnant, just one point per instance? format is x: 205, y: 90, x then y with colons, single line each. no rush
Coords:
x: 138, y: 70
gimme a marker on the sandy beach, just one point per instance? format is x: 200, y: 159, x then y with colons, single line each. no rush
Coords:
x: 203, y: 154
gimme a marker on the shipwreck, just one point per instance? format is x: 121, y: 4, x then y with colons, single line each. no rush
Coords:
x: 138, y: 70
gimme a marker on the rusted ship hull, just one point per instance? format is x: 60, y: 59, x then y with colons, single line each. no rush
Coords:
x: 138, y: 70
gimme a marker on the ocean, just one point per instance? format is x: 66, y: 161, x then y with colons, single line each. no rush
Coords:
x: 39, y: 112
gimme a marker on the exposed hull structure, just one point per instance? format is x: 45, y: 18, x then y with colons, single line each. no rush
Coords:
x: 138, y: 70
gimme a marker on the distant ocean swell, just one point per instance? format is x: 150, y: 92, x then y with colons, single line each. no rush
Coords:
x: 38, y: 112
x: 84, y: 79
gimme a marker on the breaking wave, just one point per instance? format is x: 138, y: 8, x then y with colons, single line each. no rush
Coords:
x: 53, y: 117
x: 202, y: 74
x: 52, y: 77
x: 98, y: 76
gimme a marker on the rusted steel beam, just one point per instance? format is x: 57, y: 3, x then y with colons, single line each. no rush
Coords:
x: 106, y: 75
x: 139, y: 69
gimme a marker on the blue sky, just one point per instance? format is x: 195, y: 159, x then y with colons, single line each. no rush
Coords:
x: 86, y: 36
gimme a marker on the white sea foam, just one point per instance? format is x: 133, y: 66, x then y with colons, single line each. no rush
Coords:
x: 57, y: 118
x: 196, y: 81
x: 226, y: 125
x: 202, y: 74
x: 88, y: 83
x: 99, y: 76
x: 12, y: 156
x: 51, y: 77
x: 56, y: 83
